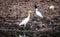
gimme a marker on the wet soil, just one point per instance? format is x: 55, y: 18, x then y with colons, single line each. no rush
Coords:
x: 12, y: 12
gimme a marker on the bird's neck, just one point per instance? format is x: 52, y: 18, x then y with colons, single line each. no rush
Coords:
x: 36, y: 9
x: 28, y: 14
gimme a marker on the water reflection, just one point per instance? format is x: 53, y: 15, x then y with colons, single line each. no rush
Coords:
x: 23, y: 35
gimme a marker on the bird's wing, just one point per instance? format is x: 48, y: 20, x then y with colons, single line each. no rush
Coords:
x: 39, y: 13
x: 24, y: 21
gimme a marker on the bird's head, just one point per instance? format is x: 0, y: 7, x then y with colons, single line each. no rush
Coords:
x: 29, y: 12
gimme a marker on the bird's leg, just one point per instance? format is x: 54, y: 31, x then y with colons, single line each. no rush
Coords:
x: 24, y: 29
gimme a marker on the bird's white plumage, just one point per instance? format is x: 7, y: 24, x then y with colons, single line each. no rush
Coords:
x: 25, y: 21
x: 38, y: 13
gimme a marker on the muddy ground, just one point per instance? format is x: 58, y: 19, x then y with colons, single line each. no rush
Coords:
x: 12, y: 12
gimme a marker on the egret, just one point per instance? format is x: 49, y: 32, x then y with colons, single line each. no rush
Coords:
x: 26, y: 20
x: 38, y: 13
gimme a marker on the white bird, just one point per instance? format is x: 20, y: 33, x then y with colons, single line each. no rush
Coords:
x: 26, y: 20
x: 38, y: 13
